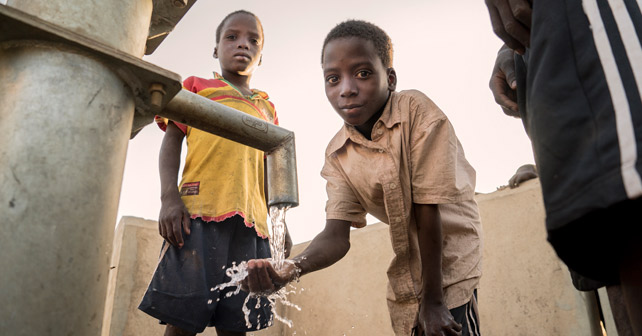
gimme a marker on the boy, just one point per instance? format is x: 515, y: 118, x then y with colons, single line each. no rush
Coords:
x: 397, y: 158
x: 571, y: 71
x: 218, y: 215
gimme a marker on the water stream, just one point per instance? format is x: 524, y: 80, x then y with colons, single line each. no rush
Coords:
x: 277, y: 247
x: 277, y: 241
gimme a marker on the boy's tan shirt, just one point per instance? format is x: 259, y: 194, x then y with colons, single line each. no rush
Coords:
x: 414, y: 157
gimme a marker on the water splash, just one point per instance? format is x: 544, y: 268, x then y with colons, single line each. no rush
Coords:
x: 277, y: 241
x: 237, y: 273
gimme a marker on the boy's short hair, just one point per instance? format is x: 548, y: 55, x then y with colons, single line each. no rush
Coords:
x: 364, y: 30
x: 240, y: 11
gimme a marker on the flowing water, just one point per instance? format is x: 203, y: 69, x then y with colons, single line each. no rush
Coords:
x: 277, y: 247
x: 277, y: 241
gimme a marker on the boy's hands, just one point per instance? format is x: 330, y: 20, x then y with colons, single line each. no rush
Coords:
x: 435, y: 320
x: 326, y: 248
x: 511, y: 21
x: 173, y: 220
x: 503, y: 84
x: 263, y: 278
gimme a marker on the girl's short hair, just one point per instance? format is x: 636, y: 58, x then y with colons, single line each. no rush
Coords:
x: 240, y: 11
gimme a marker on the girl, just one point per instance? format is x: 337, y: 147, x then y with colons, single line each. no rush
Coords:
x: 218, y: 214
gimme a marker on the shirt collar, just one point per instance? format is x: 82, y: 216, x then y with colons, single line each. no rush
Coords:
x: 388, y: 118
x: 255, y: 92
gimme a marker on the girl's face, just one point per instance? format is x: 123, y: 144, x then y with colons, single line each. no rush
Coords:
x: 240, y: 45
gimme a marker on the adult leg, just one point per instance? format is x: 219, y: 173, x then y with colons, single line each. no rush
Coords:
x: 631, y: 284
x: 221, y: 332
x: 171, y: 330
x: 618, y: 309
x: 630, y: 257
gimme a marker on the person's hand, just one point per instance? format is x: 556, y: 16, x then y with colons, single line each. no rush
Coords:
x: 511, y: 21
x: 287, y: 244
x: 264, y: 279
x: 436, y: 320
x: 523, y: 173
x: 503, y: 84
x: 173, y: 220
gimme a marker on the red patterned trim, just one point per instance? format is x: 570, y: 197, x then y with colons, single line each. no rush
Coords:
x: 196, y: 84
x: 226, y: 216
x: 160, y: 121
x: 222, y: 97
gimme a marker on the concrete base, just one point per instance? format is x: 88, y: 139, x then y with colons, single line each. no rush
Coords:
x: 525, y: 289
x: 136, y: 248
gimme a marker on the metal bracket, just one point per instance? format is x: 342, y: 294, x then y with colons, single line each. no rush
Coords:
x: 165, y: 17
x: 152, y: 86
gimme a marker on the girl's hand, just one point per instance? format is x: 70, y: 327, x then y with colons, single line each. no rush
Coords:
x: 288, y: 243
x: 173, y: 220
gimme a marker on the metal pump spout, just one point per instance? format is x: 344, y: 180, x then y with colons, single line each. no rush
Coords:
x: 281, y: 175
x: 277, y: 142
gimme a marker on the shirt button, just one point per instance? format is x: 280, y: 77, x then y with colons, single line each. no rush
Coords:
x: 379, y: 131
x: 397, y: 220
x: 380, y: 150
x: 393, y: 186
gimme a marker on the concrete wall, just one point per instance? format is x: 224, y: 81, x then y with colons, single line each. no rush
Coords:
x: 525, y: 289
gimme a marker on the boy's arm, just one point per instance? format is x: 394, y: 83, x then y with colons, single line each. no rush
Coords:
x: 434, y: 316
x: 173, y: 217
x: 326, y: 248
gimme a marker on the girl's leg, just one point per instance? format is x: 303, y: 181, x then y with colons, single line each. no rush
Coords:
x: 171, y: 330
x: 221, y: 332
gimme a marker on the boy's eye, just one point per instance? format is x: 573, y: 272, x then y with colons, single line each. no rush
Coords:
x: 332, y: 79
x: 363, y: 74
x: 230, y: 37
x: 255, y: 41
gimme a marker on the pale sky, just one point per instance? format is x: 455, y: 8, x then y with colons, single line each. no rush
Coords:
x: 443, y: 48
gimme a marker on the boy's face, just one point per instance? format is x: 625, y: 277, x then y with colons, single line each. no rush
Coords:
x: 356, y: 82
x: 239, y: 49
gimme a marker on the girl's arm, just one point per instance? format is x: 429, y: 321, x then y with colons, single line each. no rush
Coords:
x: 174, y: 217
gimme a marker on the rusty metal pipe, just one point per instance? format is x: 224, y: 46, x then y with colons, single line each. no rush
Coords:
x: 277, y: 142
x: 281, y: 175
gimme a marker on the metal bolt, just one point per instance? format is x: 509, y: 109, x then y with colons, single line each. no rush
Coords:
x: 156, y: 93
